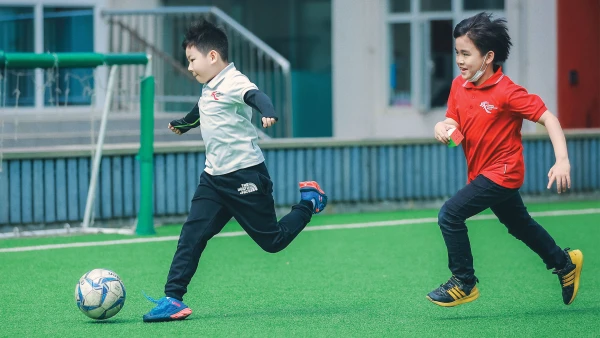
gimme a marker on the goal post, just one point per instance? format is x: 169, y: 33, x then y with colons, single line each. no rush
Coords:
x: 145, y: 222
x: 145, y: 216
x: 69, y: 60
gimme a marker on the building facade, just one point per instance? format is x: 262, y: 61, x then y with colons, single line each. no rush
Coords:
x: 361, y: 68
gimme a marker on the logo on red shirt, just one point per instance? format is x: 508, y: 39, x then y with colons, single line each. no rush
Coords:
x: 487, y: 107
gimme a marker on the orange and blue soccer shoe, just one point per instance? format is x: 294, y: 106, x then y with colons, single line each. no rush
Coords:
x: 454, y: 292
x: 310, y: 191
x: 167, y: 309
x: 570, y: 274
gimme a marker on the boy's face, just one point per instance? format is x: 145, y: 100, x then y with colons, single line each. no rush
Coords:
x: 468, y: 57
x: 200, y: 65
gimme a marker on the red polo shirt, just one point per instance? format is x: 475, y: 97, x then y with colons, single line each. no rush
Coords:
x: 490, y: 117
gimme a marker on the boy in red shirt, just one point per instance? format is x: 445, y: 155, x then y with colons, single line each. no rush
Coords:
x: 488, y: 108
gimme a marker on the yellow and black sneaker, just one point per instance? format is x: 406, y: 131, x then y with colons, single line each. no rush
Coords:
x: 454, y: 292
x: 570, y: 274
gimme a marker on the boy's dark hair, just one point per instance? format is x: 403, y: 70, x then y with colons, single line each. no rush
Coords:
x: 487, y: 35
x: 206, y: 37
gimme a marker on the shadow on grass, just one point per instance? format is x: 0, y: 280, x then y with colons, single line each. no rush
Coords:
x: 282, y: 313
x: 540, y: 313
x: 112, y: 321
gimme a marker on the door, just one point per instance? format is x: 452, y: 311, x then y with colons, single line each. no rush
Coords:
x: 578, y: 66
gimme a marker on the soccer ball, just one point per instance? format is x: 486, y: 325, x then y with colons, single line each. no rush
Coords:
x: 100, y: 294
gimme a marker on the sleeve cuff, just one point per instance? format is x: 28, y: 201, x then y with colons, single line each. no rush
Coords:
x: 539, y: 113
x: 247, y: 89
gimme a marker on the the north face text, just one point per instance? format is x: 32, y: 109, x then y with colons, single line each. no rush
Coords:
x: 247, y: 188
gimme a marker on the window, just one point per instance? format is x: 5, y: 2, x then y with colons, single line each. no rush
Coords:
x: 66, y: 29
x: 400, y: 67
x: 16, y: 35
x: 435, y: 5
x: 421, y: 48
x: 16, y: 25
x: 483, y: 4
x: 442, y: 62
x: 399, y: 6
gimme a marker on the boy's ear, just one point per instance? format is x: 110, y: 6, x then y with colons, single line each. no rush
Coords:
x: 490, y: 58
x: 213, y: 55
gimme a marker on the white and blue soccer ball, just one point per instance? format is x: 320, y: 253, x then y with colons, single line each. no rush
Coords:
x: 100, y: 294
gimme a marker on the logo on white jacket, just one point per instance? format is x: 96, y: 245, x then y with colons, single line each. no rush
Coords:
x: 487, y: 107
x: 247, y: 188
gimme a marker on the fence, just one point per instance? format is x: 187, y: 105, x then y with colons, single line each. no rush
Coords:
x: 51, y: 186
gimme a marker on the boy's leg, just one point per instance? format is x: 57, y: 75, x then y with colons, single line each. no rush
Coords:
x: 567, y: 264
x: 513, y: 214
x: 206, y: 218
x: 248, y: 195
x: 475, y: 197
x: 478, y: 195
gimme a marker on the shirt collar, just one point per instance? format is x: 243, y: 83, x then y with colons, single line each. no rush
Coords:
x: 217, y: 79
x: 493, y: 80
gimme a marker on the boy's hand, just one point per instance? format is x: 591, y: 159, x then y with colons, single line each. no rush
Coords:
x: 268, y: 121
x: 560, y: 173
x: 181, y: 126
x: 441, y: 132
x: 175, y: 130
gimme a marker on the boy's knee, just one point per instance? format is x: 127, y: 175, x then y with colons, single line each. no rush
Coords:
x: 443, y: 215
x: 448, y: 217
x: 271, y: 244
x: 272, y: 248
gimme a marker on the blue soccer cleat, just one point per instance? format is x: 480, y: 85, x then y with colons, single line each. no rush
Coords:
x: 310, y: 191
x: 168, y: 309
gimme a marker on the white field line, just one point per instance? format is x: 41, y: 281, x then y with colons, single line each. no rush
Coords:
x: 312, y: 228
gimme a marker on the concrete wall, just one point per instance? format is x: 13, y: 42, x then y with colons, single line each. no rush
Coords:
x: 533, y: 59
x: 360, y: 67
x: 133, y: 4
x: 359, y: 76
x: 360, y: 62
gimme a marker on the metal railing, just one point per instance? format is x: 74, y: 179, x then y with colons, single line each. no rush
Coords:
x: 159, y: 32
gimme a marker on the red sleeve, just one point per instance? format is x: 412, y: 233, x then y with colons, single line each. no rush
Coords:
x: 451, y: 111
x: 525, y: 105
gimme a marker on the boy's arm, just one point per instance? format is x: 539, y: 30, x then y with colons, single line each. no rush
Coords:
x: 191, y: 120
x: 561, y: 170
x: 261, y: 102
x: 440, y: 131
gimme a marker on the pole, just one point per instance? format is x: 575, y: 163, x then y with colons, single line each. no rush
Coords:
x: 145, y: 224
